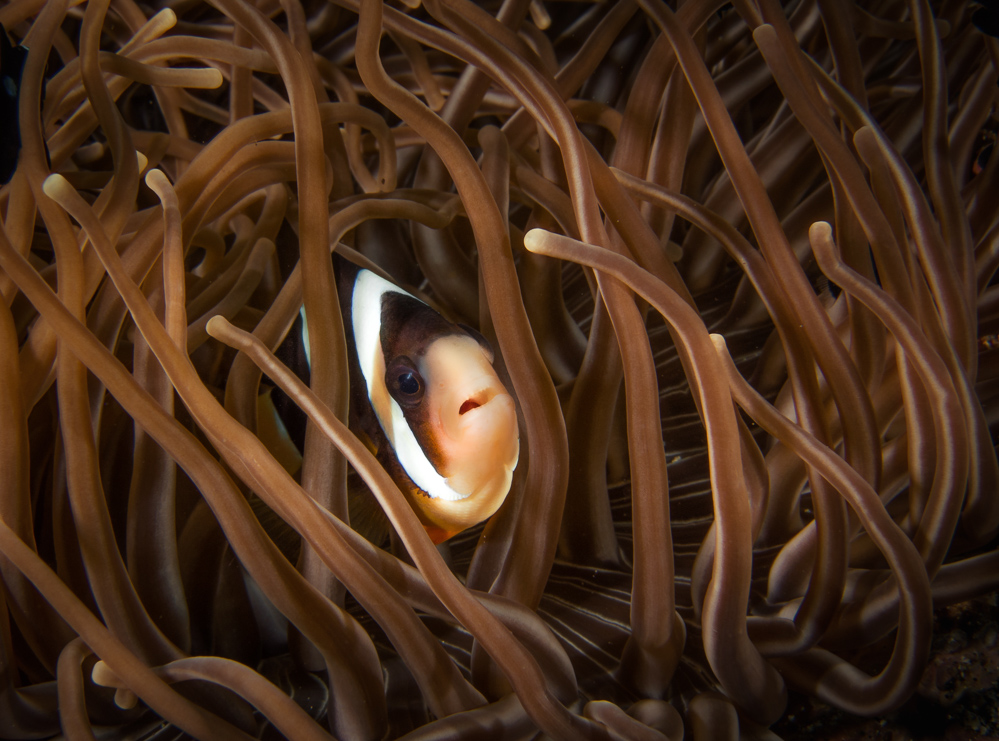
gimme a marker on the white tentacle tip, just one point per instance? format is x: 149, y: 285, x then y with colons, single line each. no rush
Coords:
x: 534, y: 238
x: 54, y: 185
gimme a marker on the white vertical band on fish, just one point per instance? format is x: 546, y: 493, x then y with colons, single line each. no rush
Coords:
x: 366, y: 311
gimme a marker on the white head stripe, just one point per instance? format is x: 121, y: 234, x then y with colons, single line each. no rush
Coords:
x: 366, y: 318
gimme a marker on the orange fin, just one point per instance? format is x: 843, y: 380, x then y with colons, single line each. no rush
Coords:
x: 439, y: 535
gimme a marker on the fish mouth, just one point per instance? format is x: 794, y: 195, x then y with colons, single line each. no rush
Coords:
x: 476, y: 400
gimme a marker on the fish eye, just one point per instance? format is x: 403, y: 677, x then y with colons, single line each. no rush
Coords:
x: 409, y: 384
x: 405, y: 383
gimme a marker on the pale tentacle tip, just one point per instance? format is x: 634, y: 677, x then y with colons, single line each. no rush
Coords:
x: 820, y: 237
x: 864, y: 132
x: 213, y: 78
x: 674, y: 252
x: 165, y: 20
x: 55, y: 185
x: 142, y: 160
x: 156, y: 179
x: 218, y: 327
x: 765, y: 30
x: 539, y: 14
x: 125, y: 698
x: 102, y: 675
x: 534, y: 239
x: 820, y: 229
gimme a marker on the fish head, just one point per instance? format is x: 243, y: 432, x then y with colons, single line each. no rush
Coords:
x: 465, y: 423
x: 449, y: 420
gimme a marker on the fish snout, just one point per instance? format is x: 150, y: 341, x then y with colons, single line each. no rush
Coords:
x: 486, y: 443
x: 486, y: 411
x: 474, y: 423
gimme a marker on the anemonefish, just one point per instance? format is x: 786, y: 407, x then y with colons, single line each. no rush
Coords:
x: 427, y: 400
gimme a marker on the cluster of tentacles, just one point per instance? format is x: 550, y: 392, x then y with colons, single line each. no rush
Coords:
x: 736, y: 261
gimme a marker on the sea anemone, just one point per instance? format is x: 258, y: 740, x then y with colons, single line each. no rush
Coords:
x: 736, y: 262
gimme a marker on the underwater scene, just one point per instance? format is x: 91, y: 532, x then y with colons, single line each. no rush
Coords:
x: 520, y: 369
